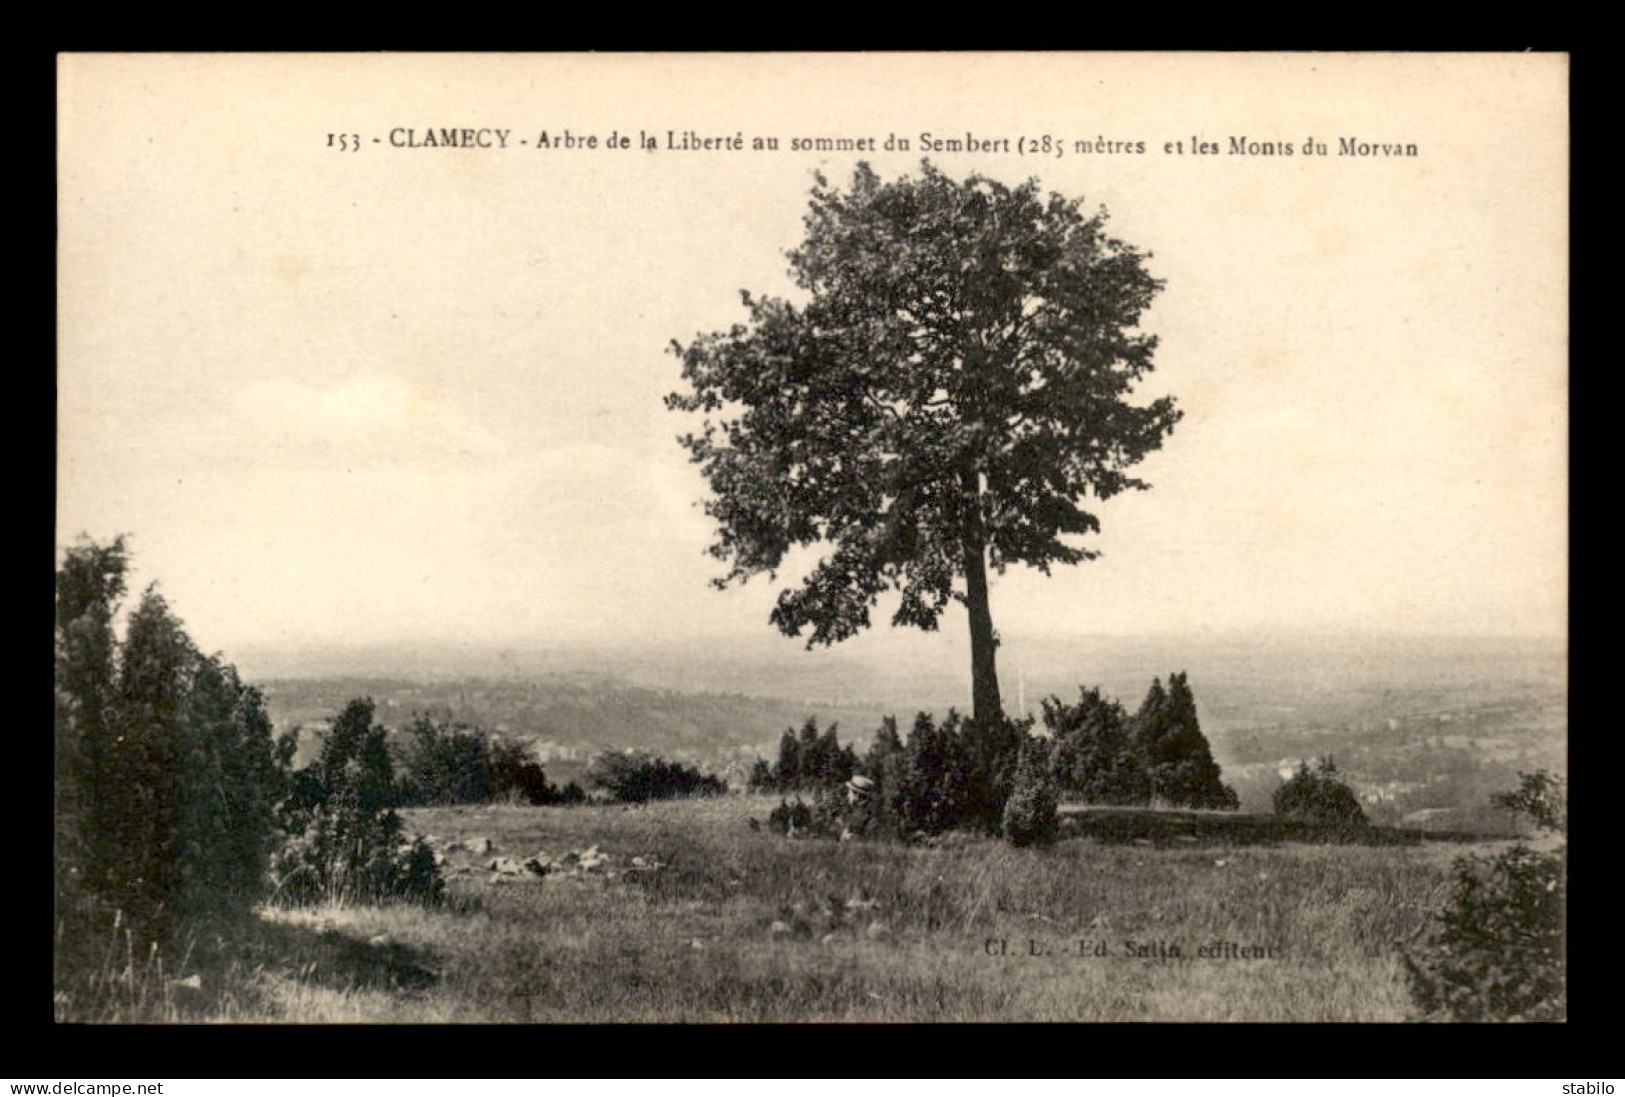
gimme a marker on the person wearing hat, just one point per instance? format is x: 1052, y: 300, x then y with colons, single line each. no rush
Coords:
x: 859, y: 804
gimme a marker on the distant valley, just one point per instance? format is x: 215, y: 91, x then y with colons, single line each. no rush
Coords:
x: 1424, y: 728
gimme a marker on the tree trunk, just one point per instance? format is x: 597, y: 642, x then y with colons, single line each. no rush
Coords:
x: 984, y: 673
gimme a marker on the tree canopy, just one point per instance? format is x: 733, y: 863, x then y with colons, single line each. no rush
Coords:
x: 953, y: 387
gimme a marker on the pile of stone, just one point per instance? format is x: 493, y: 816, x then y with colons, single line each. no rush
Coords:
x: 474, y: 855
x: 444, y: 848
x: 831, y: 919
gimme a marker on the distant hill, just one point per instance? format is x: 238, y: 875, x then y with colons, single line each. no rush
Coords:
x: 1416, y: 724
x: 566, y: 718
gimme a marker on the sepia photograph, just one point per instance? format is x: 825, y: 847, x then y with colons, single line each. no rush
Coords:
x: 784, y: 537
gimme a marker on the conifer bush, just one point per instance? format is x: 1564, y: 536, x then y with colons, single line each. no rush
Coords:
x: 345, y: 841
x: 1094, y: 760
x: 166, y: 777
x: 1030, y: 815
x: 1168, y: 741
x: 808, y: 761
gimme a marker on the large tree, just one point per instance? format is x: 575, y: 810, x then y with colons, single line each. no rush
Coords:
x: 952, y: 388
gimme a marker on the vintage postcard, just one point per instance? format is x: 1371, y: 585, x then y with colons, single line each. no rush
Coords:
x: 875, y: 537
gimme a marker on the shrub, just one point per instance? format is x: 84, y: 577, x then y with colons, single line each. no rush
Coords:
x: 1319, y: 795
x: 790, y: 818
x: 634, y: 777
x: 1030, y: 815
x: 1496, y: 950
x: 458, y: 765
x: 1093, y: 758
x: 956, y: 774
x: 1496, y: 953
x: 345, y: 841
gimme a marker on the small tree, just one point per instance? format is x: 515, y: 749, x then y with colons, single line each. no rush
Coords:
x: 89, y: 587
x: 1168, y: 739
x: 229, y: 790
x: 991, y: 750
x: 1030, y: 815
x: 808, y: 761
x: 445, y: 765
x: 887, y: 743
x: 347, y: 843
x: 1319, y: 795
x: 925, y: 795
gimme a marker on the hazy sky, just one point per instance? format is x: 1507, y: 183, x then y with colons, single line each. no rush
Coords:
x: 415, y: 394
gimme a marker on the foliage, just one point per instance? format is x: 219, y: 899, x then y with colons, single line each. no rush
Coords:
x: 1103, y: 756
x: 807, y: 761
x: 926, y: 788
x: 345, y: 840
x: 442, y: 764
x: 445, y: 765
x: 953, y: 775
x: 790, y: 819
x: 89, y: 585
x: 1543, y: 797
x: 943, y: 777
x: 166, y: 779
x: 954, y: 386
x: 1094, y: 760
x: 634, y: 777
x: 1030, y: 815
x: 1167, y: 738
x: 1319, y: 794
x: 515, y: 774
x: 1496, y: 950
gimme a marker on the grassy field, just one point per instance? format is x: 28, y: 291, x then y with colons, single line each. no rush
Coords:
x: 744, y: 925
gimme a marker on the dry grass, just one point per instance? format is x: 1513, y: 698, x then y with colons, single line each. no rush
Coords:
x: 746, y: 926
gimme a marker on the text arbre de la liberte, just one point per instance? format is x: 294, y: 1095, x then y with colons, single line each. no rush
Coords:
x: 1035, y: 144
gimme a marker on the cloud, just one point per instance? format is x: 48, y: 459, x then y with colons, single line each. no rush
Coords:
x: 371, y: 420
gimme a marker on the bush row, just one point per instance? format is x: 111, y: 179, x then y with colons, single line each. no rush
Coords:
x: 173, y: 801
